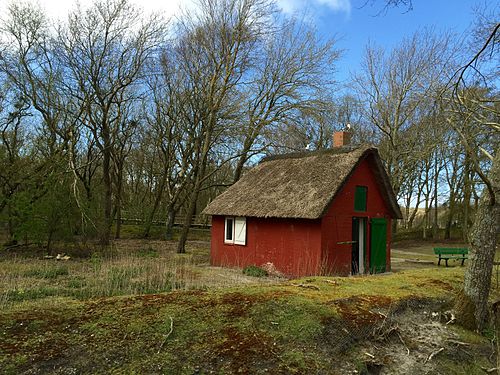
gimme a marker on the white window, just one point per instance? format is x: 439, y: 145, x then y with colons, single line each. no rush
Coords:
x: 229, y: 230
x: 235, y: 230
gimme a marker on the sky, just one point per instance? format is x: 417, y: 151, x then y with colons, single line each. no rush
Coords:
x: 353, y: 23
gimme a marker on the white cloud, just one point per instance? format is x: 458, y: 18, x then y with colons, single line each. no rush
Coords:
x: 297, y: 6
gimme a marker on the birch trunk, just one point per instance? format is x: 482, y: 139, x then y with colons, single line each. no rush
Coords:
x: 472, y: 302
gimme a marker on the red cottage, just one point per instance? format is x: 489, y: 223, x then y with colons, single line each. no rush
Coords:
x: 322, y: 212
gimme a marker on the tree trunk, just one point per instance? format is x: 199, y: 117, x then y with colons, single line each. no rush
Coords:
x: 239, y: 167
x: 169, y: 233
x: 247, y: 145
x: 426, y: 219
x: 407, y: 216
x: 449, y: 219
x: 496, y: 312
x: 199, y: 174
x: 472, y: 302
x: 118, y: 228
x: 466, y: 203
x: 156, y: 204
x: 117, y: 214
x: 108, y: 196
x: 435, y: 224
x: 49, y: 242
x: 394, y: 226
x: 10, y: 222
x: 187, y: 222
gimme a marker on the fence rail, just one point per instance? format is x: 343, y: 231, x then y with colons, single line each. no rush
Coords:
x: 198, y: 221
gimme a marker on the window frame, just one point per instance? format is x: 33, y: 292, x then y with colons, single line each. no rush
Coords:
x: 226, y: 226
x: 235, y: 239
x: 357, y: 189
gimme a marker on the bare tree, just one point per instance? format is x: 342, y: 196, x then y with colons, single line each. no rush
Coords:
x: 398, y: 91
x: 293, y: 69
x: 104, y: 50
x: 480, y: 108
x: 173, y: 137
x: 213, y: 51
x: 28, y: 64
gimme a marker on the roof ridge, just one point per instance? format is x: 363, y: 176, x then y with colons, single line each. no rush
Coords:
x: 327, y: 151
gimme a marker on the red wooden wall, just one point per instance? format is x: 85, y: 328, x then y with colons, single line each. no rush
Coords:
x: 292, y: 245
x: 302, y: 247
x: 336, y: 225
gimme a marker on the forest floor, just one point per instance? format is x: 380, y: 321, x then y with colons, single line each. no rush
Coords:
x: 145, y: 309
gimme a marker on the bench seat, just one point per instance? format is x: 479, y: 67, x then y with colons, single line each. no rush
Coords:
x: 446, y: 253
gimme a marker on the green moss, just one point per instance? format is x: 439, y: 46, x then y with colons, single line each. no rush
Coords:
x: 294, y: 362
x: 278, y: 329
x: 291, y: 318
x: 452, y: 367
x: 10, y: 365
x: 468, y: 336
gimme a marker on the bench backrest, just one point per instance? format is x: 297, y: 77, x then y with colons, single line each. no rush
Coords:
x: 451, y: 250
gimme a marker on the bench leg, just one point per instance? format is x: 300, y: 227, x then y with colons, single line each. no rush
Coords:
x: 439, y: 261
x: 446, y: 262
x: 463, y: 260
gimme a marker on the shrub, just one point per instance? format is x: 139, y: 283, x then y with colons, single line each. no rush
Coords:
x: 254, y: 271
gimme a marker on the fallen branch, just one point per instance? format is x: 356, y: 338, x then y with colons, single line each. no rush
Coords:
x: 491, y: 370
x: 451, y: 341
x: 168, y: 334
x: 452, y: 319
x: 10, y: 247
x: 378, y: 313
x: 333, y: 282
x: 403, y: 342
x: 433, y: 354
x: 306, y: 286
x: 380, y: 334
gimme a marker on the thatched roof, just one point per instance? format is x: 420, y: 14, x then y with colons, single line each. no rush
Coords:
x: 300, y: 185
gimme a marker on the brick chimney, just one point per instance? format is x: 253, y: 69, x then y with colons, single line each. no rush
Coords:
x: 341, y: 139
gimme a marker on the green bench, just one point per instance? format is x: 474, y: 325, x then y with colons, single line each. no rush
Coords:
x: 451, y: 253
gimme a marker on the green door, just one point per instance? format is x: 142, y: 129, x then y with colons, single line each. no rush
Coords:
x: 378, y: 243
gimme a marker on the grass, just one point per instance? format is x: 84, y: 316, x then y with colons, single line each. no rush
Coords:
x: 133, y: 267
x: 278, y: 328
x: 28, y: 280
x: 415, y: 235
x: 112, y: 314
x: 132, y: 272
x: 47, y: 271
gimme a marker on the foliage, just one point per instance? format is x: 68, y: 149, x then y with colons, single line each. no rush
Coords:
x: 254, y: 271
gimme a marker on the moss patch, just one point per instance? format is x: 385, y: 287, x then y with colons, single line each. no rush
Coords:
x: 279, y: 329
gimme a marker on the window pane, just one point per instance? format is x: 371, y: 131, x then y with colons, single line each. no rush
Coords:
x: 360, y: 198
x: 229, y: 229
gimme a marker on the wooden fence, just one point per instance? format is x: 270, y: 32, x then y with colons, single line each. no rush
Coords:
x: 198, y: 221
